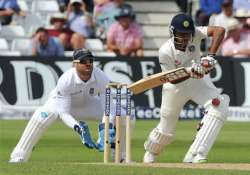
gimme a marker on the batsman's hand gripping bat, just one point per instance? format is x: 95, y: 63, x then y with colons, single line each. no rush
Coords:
x: 155, y: 80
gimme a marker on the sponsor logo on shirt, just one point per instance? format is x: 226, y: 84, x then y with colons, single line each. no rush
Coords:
x: 91, y: 91
x: 78, y: 92
x: 186, y: 24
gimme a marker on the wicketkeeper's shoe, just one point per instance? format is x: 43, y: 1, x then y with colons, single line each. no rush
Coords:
x: 149, y: 157
x: 85, y: 136
x: 100, y: 140
x: 199, y: 159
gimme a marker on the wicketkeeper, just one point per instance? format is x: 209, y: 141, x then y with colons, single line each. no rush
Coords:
x: 79, y: 94
x: 183, y: 50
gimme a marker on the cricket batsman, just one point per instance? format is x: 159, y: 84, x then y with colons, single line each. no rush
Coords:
x: 183, y: 50
x: 79, y: 94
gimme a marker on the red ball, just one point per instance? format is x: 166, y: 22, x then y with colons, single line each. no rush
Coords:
x: 216, y: 102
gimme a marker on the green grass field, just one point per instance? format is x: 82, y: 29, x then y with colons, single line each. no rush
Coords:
x: 60, y: 151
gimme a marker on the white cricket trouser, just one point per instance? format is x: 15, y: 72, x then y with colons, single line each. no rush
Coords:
x: 174, y: 98
x: 37, y: 125
x: 44, y: 117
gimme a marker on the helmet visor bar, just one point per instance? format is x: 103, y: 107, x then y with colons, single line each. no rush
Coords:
x: 181, y: 41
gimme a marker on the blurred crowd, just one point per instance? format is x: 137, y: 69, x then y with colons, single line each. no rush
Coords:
x: 234, y: 16
x: 114, y: 23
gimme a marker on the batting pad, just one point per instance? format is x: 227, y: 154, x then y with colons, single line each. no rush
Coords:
x: 157, y: 141
x: 212, y: 123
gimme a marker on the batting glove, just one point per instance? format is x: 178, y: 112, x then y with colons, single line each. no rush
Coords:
x: 197, y: 71
x: 208, y: 63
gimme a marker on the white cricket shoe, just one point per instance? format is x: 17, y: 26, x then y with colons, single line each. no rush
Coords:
x: 199, y: 159
x: 149, y: 157
x: 188, y: 158
x: 17, y: 160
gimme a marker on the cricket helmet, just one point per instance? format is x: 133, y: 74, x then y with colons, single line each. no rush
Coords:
x: 82, y: 54
x: 183, y: 25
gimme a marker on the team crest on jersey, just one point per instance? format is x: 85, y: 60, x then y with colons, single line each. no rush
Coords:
x: 91, y: 91
x: 191, y: 48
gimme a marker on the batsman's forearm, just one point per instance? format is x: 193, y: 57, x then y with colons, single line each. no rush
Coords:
x: 217, y: 38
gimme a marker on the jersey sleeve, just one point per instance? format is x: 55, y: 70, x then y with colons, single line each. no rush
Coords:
x: 63, y: 98
x: 201, y: 32
x: 63, y: 101
x: 165, y: 59
x: 102, y: 80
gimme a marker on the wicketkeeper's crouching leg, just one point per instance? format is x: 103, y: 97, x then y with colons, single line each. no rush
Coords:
x: 37, y: 125
x: 216, y: 111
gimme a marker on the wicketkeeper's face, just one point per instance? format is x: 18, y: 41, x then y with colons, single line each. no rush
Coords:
x: 85, y: 66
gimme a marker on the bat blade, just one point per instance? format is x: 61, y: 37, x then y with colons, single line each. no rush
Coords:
x: 155, y: 80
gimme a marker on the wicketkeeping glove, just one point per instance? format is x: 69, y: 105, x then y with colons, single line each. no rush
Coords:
x: 197, y: 71
x: 100, y: 141
x: 208, y: 63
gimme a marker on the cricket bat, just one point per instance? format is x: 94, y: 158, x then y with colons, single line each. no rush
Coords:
x: 174, y: 76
